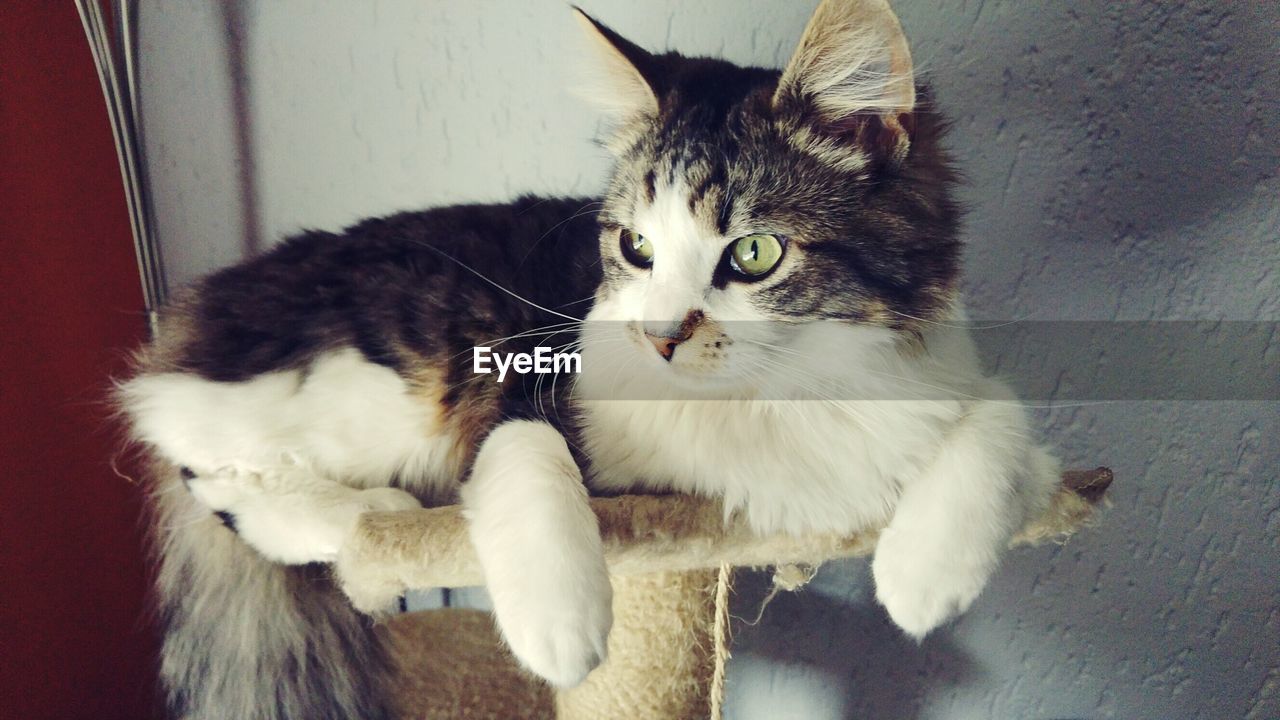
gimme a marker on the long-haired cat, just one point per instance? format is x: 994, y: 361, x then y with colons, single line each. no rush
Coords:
x: 760, y: 300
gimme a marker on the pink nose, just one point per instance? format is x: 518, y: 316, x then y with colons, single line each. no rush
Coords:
x: 666, y: 336
x: 666, y: 346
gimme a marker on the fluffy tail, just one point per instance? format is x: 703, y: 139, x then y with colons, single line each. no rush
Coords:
x: 246, y: 639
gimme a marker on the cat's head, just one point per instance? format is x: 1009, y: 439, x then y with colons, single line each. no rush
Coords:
x: 750, y: 209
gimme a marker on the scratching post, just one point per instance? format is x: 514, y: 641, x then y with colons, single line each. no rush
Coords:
x: 665, y: 555
x: 451, y: 665
x: 660, y: 651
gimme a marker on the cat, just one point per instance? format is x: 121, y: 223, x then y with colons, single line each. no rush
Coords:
x: 760, y: 300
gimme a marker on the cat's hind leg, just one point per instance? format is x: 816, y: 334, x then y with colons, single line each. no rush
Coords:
x: 246, y: 638
x: 287, y: 512
x: 539, y: 546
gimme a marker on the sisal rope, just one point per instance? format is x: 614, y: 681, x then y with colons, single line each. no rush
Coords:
x: 720, y: 640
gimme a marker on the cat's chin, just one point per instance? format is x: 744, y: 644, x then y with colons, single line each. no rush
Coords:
x: 685, y: 383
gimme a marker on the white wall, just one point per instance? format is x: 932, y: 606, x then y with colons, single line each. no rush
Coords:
x: 1121, y: 162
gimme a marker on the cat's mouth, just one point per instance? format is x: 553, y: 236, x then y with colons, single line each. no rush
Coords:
x: 622, y: 361
x: 698, y: 360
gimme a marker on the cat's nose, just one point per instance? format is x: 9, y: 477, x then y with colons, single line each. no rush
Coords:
x: 666, y: 346
x: 665, y: 339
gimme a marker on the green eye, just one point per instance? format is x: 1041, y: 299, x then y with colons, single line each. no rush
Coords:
x: 636, y: 248
x: 755, y: 255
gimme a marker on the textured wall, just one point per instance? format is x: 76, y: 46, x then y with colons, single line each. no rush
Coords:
x: 1121, y: 162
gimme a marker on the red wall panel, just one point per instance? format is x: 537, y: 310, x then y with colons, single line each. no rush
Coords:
x: 74, y: 641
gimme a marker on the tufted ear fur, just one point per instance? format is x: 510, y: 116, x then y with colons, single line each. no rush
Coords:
x: 851, y: 79
x: 620, y: 76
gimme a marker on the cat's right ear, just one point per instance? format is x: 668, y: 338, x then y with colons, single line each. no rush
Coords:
x: 619, y: 75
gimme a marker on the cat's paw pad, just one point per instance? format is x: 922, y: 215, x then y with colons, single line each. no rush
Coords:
x: 227, y: 519
x: 559, y: 636
x: 922, y: 590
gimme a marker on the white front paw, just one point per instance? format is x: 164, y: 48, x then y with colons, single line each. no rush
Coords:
x: 554, y: 616
x: 539, y: 544
x: 921, y: 587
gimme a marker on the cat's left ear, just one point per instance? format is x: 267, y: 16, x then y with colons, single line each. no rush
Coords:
x: 851, y: 79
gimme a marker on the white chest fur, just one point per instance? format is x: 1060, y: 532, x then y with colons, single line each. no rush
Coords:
x: 793, y: 466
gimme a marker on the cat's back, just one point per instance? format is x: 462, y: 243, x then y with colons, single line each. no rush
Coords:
x: 381, y: 286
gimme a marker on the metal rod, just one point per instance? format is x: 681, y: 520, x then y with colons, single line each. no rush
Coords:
x: 116, y: 64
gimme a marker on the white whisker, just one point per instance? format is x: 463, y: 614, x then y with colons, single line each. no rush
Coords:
x: 480, y: 275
